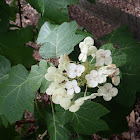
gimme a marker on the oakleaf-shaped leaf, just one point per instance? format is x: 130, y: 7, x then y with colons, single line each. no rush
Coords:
x: 45, y: 30
x: 16, y: 95
x: 87, y: 120
x: 56, y: 130
x: 13, y: 46
x: 53, y: 10
x: 61, y: 41
x: 37, y: 76
x: 5, y: 67
x: 129, y: 85
x: 4, y: 16
x: 118, y: 56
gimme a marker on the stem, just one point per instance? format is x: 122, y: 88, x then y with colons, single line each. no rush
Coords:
x: 85, y: 91
x: 91, y: 60
x: 19, y: 6
x: 38, y: 109
x: 43, y: 135
x: 52, y: 106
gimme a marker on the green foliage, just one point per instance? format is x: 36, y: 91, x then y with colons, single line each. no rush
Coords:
x: 4, y: 16
x: 61, y: 41
x: 53, y: 10
x: 87, y: 120
x: 13, y: 46
x: 45, y: 30
x: 37, y: 76
x: 5, y: 67
x: 16, y: 95
x: 123, y: 38
x: 56, y: 130
x: 118, y: 56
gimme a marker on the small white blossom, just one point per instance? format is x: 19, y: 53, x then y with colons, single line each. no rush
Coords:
x: 55, y: 75
x: 65, y: 103
x: 58, y: 95
x: 107, y: 91
x: 82, y: 99
x: 103, y: 57
x: 63, y: 62
x: 94, y: 78
x: 87, y: 49
x: 75, y: 70
x: 116, y: 78
x: 72, y: 87
x: 76, y: 106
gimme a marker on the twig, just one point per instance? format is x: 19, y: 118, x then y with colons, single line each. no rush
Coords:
x: 19, y: 7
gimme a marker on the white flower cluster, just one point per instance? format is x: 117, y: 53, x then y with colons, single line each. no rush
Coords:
x: 68, y: 77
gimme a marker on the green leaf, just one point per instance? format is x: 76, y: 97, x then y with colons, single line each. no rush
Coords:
x: 4, y: 121
x: 4, y: 16
x: 37, y: 76
x: 87, y: 120
x: 118, y: 56
x: 5, y: 67
x: 86, y: 34
x: 56, y: 130
x: 52, y: 10
x: 45, y: 30
x: 8, y: 133
x: 61, y: 41
x: 13, y: 46
x: 116, y: 123
x: 129, y: 85
x: 16, y: 95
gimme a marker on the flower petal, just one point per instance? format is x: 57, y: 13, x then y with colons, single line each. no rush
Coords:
x: 113, y: 92
x: 108, y: 60
x: 77, y: 89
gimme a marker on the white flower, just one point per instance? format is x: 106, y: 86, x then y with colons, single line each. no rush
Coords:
x: 58, y: 95
x: 87, y: 49
x: 75, y: 70
x: 82, y: 99
x: 65, y: 103
x: 103, y: 57
x: 84, y: 51
x: 53, y: 86
x: 94, y: 78
x: 63, y: 62
x: 116, y: 78
x: 55, y: 75
x: 107, y: 91
x: 72, y: 87
x: 76, y: 106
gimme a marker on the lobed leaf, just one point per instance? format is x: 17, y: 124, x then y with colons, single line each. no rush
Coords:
x: 118, y: 56
x: 129, y: 85
x: 53, y: 10
x: 61, y: 41
x: 5, y: 67
x: 36, y: 77
x: 16, y: 95
x: 87, y: 120
x: 13, y: 46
